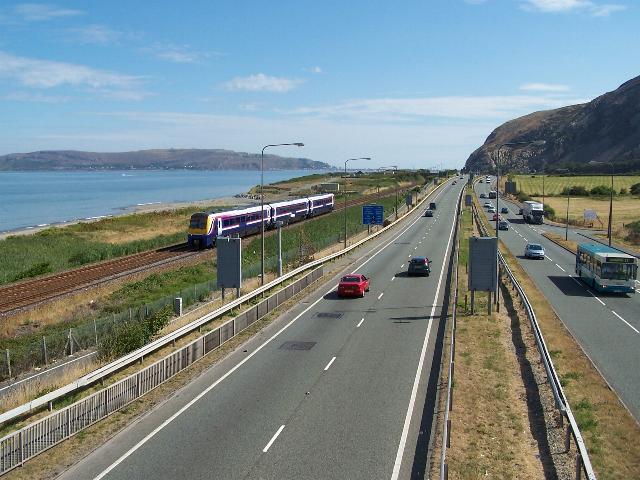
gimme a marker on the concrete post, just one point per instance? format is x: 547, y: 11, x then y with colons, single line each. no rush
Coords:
x: 177, y: 305
x: 7, y: 356
x: 45, y: 358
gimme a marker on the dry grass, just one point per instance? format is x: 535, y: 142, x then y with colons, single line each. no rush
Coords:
x: 569, y: 245
x: 625, y: 209
x: 611, y: 433
x: 553, y: 185
x: 490, y: 434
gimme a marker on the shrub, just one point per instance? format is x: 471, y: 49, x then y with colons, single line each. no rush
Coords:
x: 134, y: 334
x: 576, y: 191
x: 602, y: 190
x: 523, y: 197
x: 635, y: 189
x: 33, y: 271
x: 623, y: 191
x: 549, y: 211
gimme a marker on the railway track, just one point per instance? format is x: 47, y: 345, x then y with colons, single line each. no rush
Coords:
x: 29, y: 293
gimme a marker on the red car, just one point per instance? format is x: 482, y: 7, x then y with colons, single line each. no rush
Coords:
x: 353, y: 285
x: 497, y: 216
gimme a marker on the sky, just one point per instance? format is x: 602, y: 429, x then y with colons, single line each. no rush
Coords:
x: 417, y: 84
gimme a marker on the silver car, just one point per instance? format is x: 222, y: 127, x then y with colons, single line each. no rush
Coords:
x: 533, y: 250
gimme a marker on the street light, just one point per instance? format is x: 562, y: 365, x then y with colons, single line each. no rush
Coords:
x: 593, y: 162
x: 345, y: 194
x: 508, y: 144
x: 297, y: 144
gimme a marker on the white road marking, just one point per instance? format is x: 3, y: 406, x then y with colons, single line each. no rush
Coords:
x: 546, y: 256
x: 401, y: 266
x: 392, y: 278
x: 407, y: 421
x: 379, y: 296
x: 359, y: 323
x: 273, y: 439
x: 630, y: 326
x: 591, y: 293
x: 329, y: 364
x: 556, y: 265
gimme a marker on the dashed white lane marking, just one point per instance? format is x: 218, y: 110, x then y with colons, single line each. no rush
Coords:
x: 549, y: 258
x: 401, y: 266
x: 393, y: 278
x: 359, y: 323
x: 628, y: 324
x: 522, y: 237
x: 329, y: 364
x: 560, y: 267
x: 415, y: 248
x: 273, y: 439
x: 380, y: 296
x: 592, y: 294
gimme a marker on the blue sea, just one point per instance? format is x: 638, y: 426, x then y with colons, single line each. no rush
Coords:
x: 31, y: 199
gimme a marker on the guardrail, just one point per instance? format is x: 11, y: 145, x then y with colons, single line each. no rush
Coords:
x: 33, y: 439
x: 583, y: 463
x: 446, y: 430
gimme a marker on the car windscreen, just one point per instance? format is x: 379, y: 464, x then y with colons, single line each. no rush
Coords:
x: 534, y: 246
x: 350, y: 279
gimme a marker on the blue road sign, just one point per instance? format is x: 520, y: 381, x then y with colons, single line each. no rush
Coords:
x: 372, y: 214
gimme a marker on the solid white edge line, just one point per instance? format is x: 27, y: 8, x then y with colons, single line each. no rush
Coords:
x: 414, y: 392
x: 560, y: 267
x: 153, y: 433
x: 273, y: 439
x: 628, y: 324
x: 359, y: 323
x: 329, y: 364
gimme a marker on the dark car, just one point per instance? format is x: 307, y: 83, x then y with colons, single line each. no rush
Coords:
x: 432, y: 206
x: 353, y: 285
x: 419, y: 266
x: 504, y: 210
x: 428, y: 213
x: 503, y: 225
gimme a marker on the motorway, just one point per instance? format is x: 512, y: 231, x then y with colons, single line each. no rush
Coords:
x: 333, y: 388
x: 606, y: 326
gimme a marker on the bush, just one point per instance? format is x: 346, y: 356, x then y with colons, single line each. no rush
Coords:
x: 523, y: 197
x: 576, y: 191
x: 635, y: 189
x: 134, y: 334
x: 549, y: 211
x: 623, y: 191
x: 602, y: 190
x: 33, y: 271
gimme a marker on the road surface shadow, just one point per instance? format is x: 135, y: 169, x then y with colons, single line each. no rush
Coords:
x: 569, y: 287
x: 406, y: 275
x: 537, y: 423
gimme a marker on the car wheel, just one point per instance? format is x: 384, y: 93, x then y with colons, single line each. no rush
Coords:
x: 362, y: 294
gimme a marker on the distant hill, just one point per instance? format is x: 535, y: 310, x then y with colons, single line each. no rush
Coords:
x: 605, y: 129
x: 195, y: 159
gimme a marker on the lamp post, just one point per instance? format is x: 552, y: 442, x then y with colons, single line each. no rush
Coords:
x: 566, y: 228
x: 508, y: 144
x: 544, y: 164
x: 297, y: 144
x: 345, y: 194
x: 610, y: 198
x: 395, y: 178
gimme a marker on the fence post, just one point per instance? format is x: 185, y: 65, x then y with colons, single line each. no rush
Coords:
x: 21, y: 448
x: 8, y: 360
x: 567, y: 440
x: 70, y: 340
x: 95, y: 330
x: 578, y: 467
x: 45, y: 358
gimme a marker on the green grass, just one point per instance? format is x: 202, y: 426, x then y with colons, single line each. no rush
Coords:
x: 553, y: 185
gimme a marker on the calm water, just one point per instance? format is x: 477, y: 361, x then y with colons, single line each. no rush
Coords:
x: 29, y: 199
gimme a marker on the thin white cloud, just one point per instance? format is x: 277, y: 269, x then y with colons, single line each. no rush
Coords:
x: 545, y: 87
x: 567, y: 6
x: 37, y: 12
x: 35, y: 97
x: 179, y: 53
x: 316, y: 69
x: 262, y: 83
x: 417, y: 109
x: 35, y: 73
x: 96, y: 34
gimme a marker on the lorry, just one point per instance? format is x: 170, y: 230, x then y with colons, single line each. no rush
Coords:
x: 532, y: 212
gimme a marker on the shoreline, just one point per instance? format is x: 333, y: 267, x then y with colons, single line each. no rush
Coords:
x: 231, y: 201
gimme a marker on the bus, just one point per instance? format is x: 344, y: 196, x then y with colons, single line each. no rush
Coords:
x: 606, y: 269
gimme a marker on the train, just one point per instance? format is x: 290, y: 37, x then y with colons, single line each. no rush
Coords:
x: 205, y: 227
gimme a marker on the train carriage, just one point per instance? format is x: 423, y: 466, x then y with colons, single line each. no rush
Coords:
x: 289, y: 211
x: 319, y: 204
x: 205, y: 227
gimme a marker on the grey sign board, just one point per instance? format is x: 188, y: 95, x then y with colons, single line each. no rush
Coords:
x: 467, y: 200
x: 408, y: 199
x: 483, y: 266
x: 229, y: 262
x: 510, y: 187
